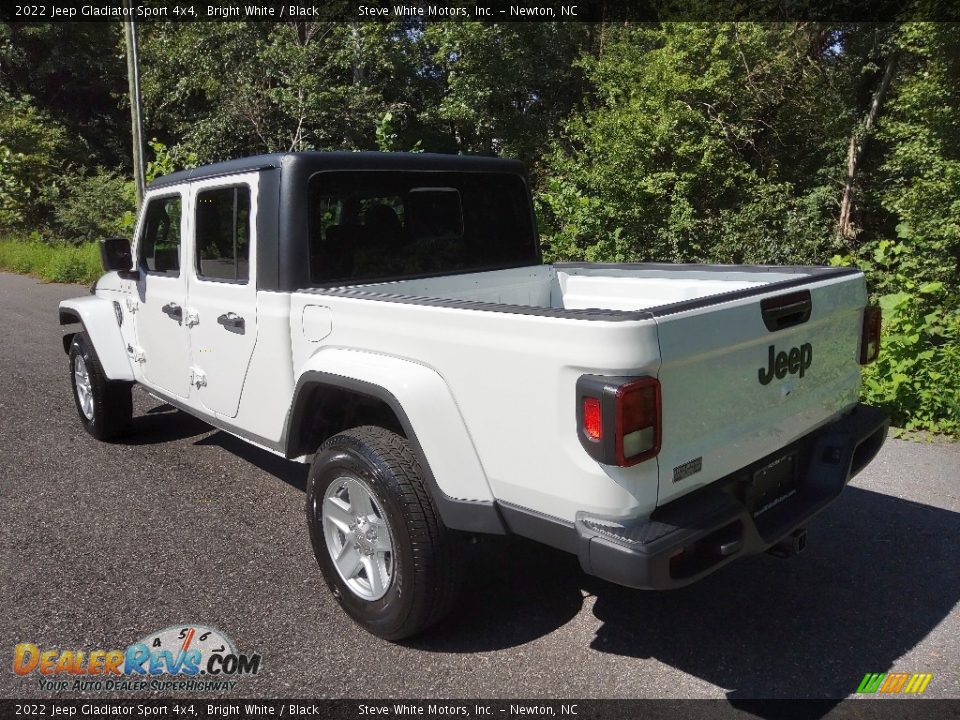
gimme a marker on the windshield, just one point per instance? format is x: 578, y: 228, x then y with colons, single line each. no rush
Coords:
x: 379, y: 225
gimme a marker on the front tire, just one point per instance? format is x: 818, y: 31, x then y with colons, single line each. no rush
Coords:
x: 381, y: 546
x: 105, y: 406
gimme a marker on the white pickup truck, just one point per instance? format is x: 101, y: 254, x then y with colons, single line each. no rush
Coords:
x: 387, y: 318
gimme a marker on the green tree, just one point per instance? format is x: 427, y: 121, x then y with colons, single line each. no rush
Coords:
x: 912, y: 255
x: 702, y: 142
x: 231, y: 89
x: 506, y: 87
x: 75, y: 74
x: 34, y: 149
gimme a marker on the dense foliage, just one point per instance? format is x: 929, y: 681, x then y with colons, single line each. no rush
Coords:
x: 758, y: 143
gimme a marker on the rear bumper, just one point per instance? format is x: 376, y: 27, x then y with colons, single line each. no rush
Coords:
x: 699, y: 533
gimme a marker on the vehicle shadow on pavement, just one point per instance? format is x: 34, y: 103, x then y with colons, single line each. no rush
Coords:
x: 878, y: 576
x: 162, y: 424
x: 515, y: 591
x: 292, y: 473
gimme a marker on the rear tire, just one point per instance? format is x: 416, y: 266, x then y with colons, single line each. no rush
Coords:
x: 105, y: 406
x: 398, y: 568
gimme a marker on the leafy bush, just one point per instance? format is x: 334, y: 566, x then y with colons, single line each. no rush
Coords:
x: 915, y: 276
x: 168, y: 160
x: 57, y: 263
x: 73, y: 264
x: 95, y: 206
x: 21, y: 257
x: 917, y: 375
x: 32, y: 147
x: 686, y: 154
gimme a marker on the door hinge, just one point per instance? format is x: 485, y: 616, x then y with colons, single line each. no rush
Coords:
x: 136, y: 354
x: 198, y: 378
x: 191, y: 318
x: 132, y: 305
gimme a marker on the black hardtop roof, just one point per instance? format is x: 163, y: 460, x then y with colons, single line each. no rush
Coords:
x: 317, y: 161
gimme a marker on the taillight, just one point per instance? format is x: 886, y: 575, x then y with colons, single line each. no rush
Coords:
x: 592, y: 422
x: 870, y: 335
x: 638, y: 421
x: 619, y: 418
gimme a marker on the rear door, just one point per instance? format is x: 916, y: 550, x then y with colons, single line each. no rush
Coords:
x: 741, y: 379
x: 222, y: 293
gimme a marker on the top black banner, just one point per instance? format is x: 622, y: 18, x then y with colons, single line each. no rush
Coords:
x: 414, y: 12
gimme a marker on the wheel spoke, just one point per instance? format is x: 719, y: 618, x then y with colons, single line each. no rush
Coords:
x: 349, y: 560
x: 374, y: 574
x: 382, y: 544
x: 338, y: 512
x: 359, y: 499
x: 81, y: 380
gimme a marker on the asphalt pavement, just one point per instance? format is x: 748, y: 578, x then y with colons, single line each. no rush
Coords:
x: 101, y: 544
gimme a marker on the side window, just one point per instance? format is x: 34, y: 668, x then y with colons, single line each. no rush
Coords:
x: 223, y: 233
x: 159, y: 250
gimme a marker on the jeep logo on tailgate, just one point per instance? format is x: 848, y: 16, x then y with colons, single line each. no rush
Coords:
x: 798, y: 359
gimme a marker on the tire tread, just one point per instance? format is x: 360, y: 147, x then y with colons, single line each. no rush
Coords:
x: 113, y: 400
x: 438, y: 571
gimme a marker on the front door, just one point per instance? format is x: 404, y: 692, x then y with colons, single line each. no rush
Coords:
x: 222, y: 295
x: 162, y: 288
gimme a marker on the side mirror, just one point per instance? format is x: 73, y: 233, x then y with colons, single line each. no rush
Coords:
x: 115, y: 254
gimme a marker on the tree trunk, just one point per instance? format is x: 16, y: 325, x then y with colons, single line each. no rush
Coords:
x: 855, y: 153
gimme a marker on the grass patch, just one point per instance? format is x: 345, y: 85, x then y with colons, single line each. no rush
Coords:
x: 56, y: 263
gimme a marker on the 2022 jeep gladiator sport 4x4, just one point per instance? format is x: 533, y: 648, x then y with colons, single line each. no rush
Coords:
x: 387, y: 318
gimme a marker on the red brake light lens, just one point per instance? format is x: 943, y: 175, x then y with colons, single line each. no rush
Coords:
x: 592, y: 423
x: 870, y: 336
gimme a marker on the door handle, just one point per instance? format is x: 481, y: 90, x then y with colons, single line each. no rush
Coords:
x: 232, y: 323
x: 174, y: 311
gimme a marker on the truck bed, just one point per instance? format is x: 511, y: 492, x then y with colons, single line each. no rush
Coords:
x: 618, y: 292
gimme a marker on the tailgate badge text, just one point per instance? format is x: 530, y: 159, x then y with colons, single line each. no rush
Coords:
x: 796, y: 360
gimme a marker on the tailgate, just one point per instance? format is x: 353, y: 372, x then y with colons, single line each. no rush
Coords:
x: 742, y: 378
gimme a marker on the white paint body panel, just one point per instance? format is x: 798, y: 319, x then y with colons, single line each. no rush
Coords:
x: 512, y: 380
x: 268, y: 391
x: 100, y: 322
x: 429, y: 406
x: 223, y: 356
x: 714, y: 406
x: 631, y: 293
